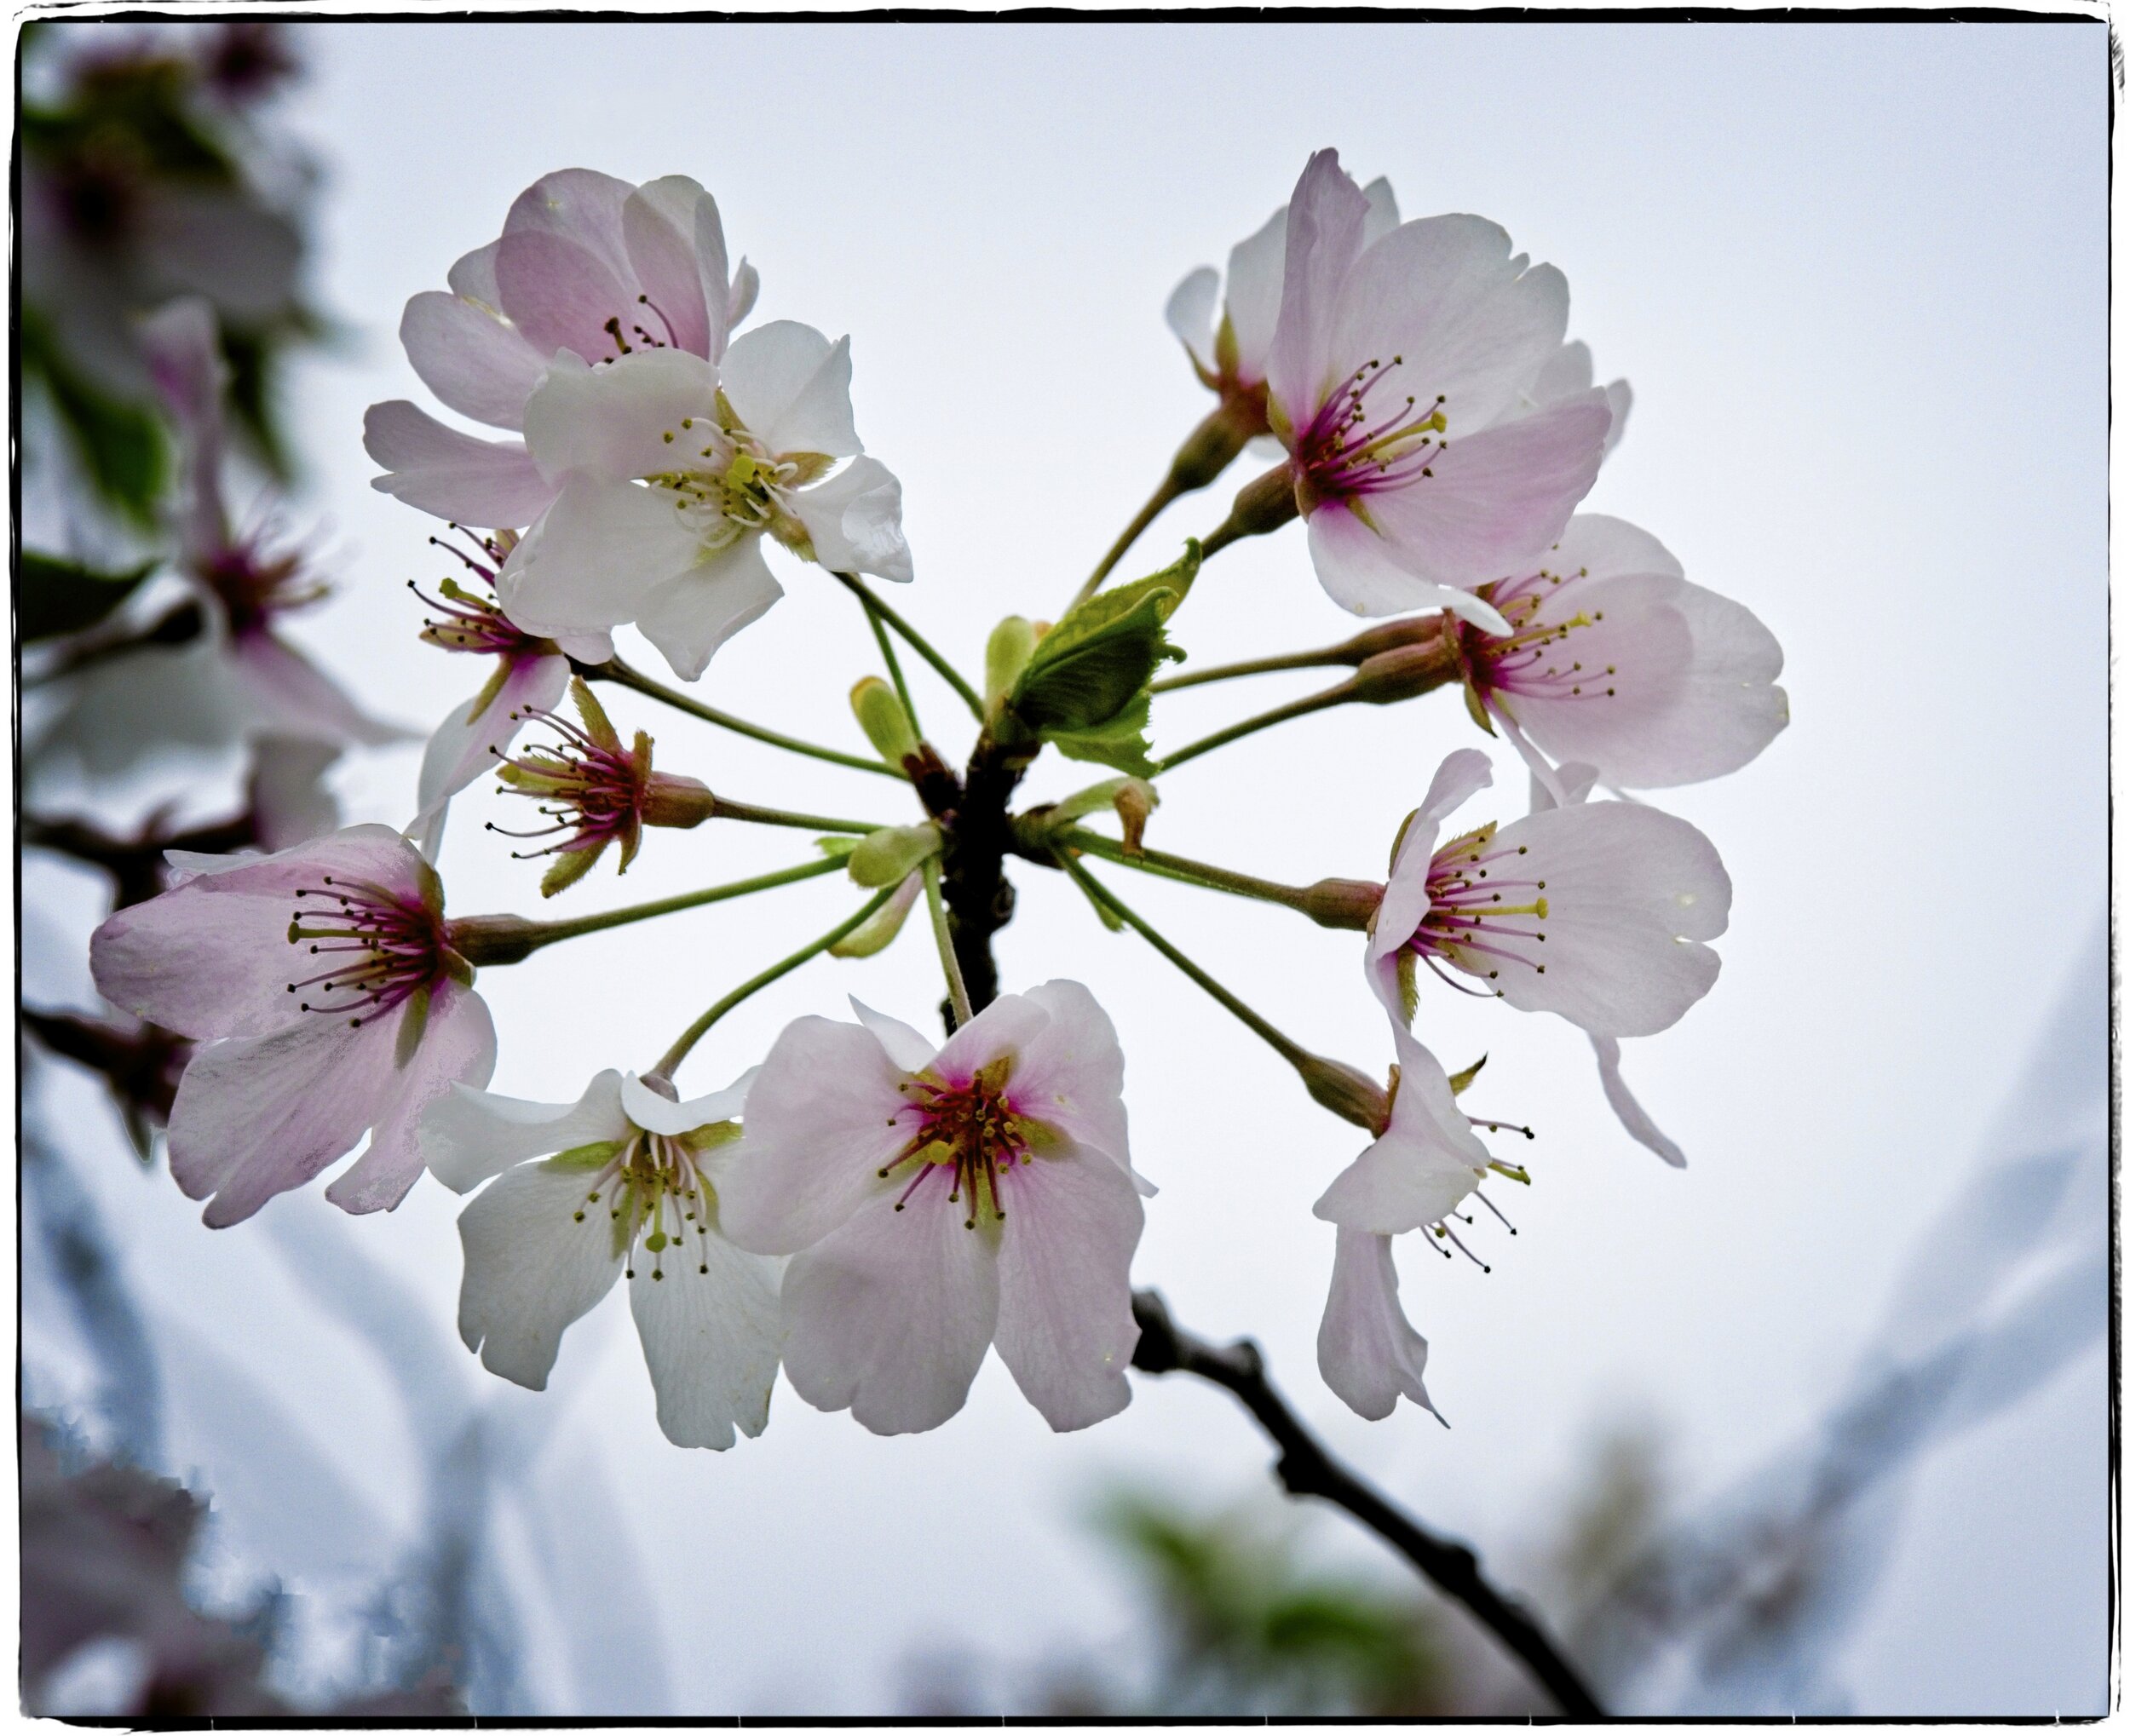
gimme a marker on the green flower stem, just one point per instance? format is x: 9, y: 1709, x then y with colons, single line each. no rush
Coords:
x: 894, y: 668
x: 728, y: 809
x: 1182, y: 868
x: 1290, y: 1051
x: 688, y: 1039
x: 506, y: 940
x: 914, y: 640
x: 1256, y: 666
x: 957, y: 988
x: 1156, y: 503
x: 1338, y: 695
x: 621, y: 674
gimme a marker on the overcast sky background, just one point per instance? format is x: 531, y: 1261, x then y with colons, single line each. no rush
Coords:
x: 1857, y: 275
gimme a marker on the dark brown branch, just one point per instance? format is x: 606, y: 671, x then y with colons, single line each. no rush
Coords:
x: 1304, y: 1468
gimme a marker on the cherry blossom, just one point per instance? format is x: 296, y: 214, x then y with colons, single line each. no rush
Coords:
x: 623, y: 1180
x: 939, y: 1201
x: 296, y: 1061
x: 1615, y: 660
x: 668, y: 472
x: 1597, y: 911
x: 1400, y: 379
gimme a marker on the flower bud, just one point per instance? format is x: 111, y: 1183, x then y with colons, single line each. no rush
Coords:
x: 1135, y: 801
x: 1211, y: 446
x: 1347, y: 1092
x: 1341, y: 903
x: 880, y: 929
x: 886, y: 856
x: 886, y: 724
x: 1011, y: 644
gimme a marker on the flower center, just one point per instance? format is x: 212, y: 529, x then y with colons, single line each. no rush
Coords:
x: 591, y: 791
x: 391, y: 947
x: 466, y: 621
x: 1480, y: 917
x: 730, y: 485
x: 1536, y: 658
x: 969, y: 1135
x: 1356, y: 447
x: 253, y: 589
x: 655, y: 1190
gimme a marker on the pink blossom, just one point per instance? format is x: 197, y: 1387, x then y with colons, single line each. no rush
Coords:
x: 1402, y: 375
x: 938, y: 1202
x: 585, y: 264
x: 1596, y: 911
x: 1613, y: 660
x: 632, y: 1186
x: 298, y: 1061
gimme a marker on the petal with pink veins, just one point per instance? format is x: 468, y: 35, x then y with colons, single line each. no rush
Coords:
x: 1366, y: 1350
x: 491, y: 484
x: 1326, y: 220
x: 1065, y: 1329
x: 657, y: 226
x: 1463, y: 773
x: 891, y: 1315
x: 1070, y: 1075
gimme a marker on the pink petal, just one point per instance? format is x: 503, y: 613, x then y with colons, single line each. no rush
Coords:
x: 578, y: 206
x: 561, y: 295
x: 657, y: 226
x: 458, y: 1047
x: 1070, y: 1075
x: 1632, y: 1116
x: 889, y: 1316
x: 1462, y: 773
x: 289, y: 695
x: 1065, y: 1328
x: 470, y: 358
x: 1325, y: 221
x: 1427, y: 1160
x: 825, y: 1114
x: 491, y: 484
x: 1363, y: 569
x: 467, y: 742
x: 256, y: 1116
x: 183, y: 352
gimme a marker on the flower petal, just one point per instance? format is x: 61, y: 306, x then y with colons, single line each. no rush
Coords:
x: 1065, y: 1326
x: 697, y: 610
x: 657, y: 227
x: 712, y: 1328
x: 1632, y: 894
x: 891, y: 1315
x: 1189, y: 314
x: 578, y: 205
x: 1632, y: 1116
x: 562, y: 296
x: 1366, y: 1350
x: 282, y: 692
x: 490, y: 484
x: 1256, y: 275
x: 1325, y: 221
x: 468, y: 1136
x: 1463, y: 771
x: 792, y: 388
x: 470, y: 357
x: 1427, y: 1160
x: 594, y: 557
x: 467, y: 742
x: 539, y: 1254
x: 458, y: 1046
x: 1071, y: 1072
x: 255, y: 1116
x: 824, y: 1116
x: 906, y: 1047
x: 854, y: 521
x: 622, y: 420
x: 1363, y: 570
x: 656, y: 1114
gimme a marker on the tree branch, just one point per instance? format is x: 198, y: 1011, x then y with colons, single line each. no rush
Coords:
x: 1304, y: 1468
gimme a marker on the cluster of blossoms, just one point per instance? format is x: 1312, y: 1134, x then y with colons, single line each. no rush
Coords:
x: 868, y: 1209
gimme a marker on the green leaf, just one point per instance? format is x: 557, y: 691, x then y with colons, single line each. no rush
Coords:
x: 1120, y: 742
x: 54, y: 596
x: 121, y: 445
x: 1091, y: 672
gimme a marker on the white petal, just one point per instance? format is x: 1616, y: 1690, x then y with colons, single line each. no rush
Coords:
x: 594, y: 557
x: 458, y: 1046
x: 622, y: 420
x: 1009, y: 1026
x: 656, y: 1114
x: 1363, y: 571
x: 698, y: 608
x: 1463, y: 771
x: 890, y: 1315
x: 792, y: 388
x: 1631, y: 893
x: 854, y: 521
x: 1070, y: 1075
x: 490, y: 484
x: 1427, y: 1161
x: 712, y: 1329
x: 468, y: 1136
x: 279, y: 691
x: 825, y: 1113
x: 907, y: 1048
x: 466, y: 743
x: 539, y: 1254
x: 1325, y: 221
x: 1190, y: 314
x: 1383, y: 212
x: 1366, y: 1349
x: 1065, y: 1327
x: 1632, y: 1116
x: 1256, y: 272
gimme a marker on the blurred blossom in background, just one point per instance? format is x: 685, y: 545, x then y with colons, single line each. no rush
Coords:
x: 1819, y: 1425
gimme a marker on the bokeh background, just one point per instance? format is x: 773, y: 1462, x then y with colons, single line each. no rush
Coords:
x: 1819, y: 1424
